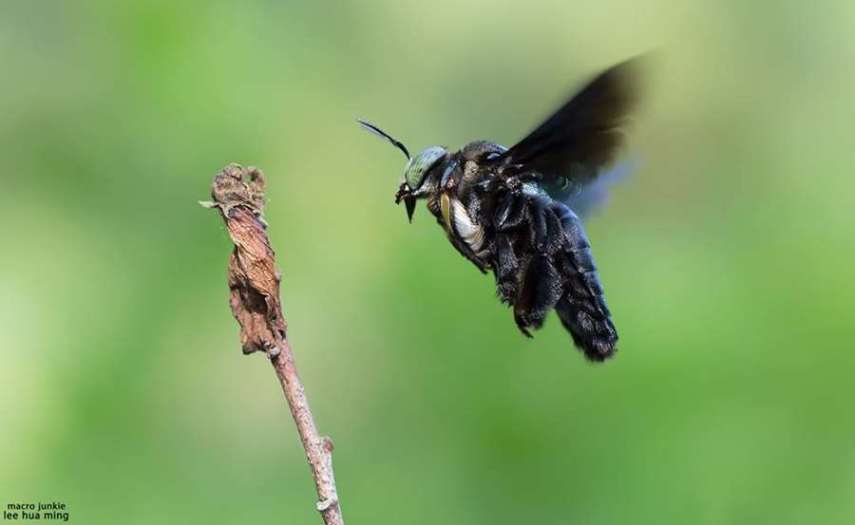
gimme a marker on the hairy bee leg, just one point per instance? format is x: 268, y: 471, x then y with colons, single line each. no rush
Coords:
x: 533, y: 285
x: 542, y: 261
x: 546, y: 228
x: 540, y: 291
x: 506, y: 268
x: 523, y: 300
x: 539, y: 230
x: 511, y: 212
x: 503, y: 210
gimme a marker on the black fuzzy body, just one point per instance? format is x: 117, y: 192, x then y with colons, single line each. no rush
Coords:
x: 535, y: 246
x: 511, y: 210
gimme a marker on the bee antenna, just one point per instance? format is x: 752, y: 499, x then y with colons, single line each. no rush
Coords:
x: 380, y: 133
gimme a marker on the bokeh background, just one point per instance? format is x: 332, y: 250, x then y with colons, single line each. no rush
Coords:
x: 727, y: 258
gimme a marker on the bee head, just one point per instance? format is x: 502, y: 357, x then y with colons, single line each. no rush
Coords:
x: 415, y: 173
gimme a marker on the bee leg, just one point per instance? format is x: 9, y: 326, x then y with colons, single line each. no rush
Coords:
x: 503, y: 210
x: 544, y: 226
x: 506, y: 268
x: 540, y: 291
x: 512, y: 211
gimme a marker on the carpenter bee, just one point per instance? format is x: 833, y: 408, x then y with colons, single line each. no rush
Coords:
x: 515, y: 211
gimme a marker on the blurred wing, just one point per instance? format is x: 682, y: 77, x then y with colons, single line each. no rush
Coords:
x: 590, y: 198
x: 571, y: 147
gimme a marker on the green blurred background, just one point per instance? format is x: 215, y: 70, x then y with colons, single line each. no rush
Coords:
x: 727, y: 259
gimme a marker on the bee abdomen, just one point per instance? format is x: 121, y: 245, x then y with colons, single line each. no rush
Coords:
x: 583, y: 310
x: 593, y: 334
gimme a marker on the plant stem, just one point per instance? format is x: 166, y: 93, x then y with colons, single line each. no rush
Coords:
x: 253, y: 279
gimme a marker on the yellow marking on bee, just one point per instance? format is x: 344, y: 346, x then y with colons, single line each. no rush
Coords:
x: 465, y: 228
x: 445, y: 207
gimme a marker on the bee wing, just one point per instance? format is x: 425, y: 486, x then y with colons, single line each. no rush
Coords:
x: 594, y: 195
x: 572, y: 146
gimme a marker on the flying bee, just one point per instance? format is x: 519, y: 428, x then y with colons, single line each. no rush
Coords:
x: 515, y: 211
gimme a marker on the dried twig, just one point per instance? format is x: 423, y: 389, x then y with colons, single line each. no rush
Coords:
x: 238, y: 193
